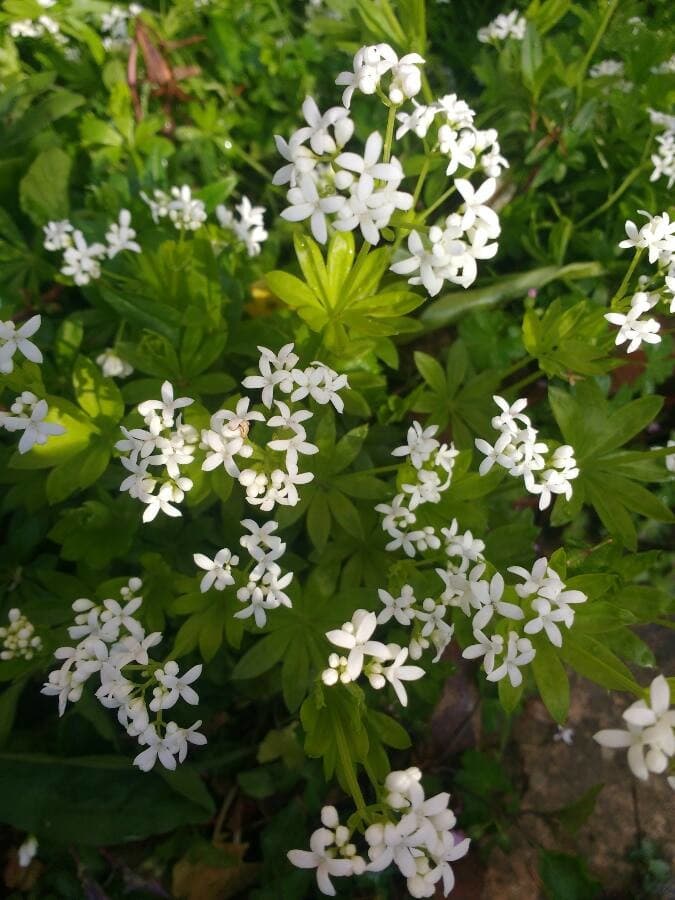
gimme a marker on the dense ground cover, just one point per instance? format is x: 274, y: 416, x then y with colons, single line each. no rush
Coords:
x: 335, y: 357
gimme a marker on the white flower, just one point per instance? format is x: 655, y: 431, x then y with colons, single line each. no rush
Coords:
x: 475, y: 209
x: 506, y: 25
x: 120, y: 236
x: 396, y: 672
x: 57, y: 235
x: 158, y: 748
x: 274, y: 370
x: 307, y: 203
x: 185, y: 211
x: 488, y: 647
x: 27, y: 851
x: 167, y: 406
x: 490, y: 598
x: 320, y: 857
x: 218, y: 570
x: 608, y: 68
x: 355, y: 637
x: 519, y: 652
x: 250, y: 228
x: 564, y: 735
x: 368, y: 166
x: 35, y: 429
x: 632, y: 328
x: 318, y: 133
x: 177, y: 739
x: 397, y: 607
x: 406, y: 78
x: 81, y: 260
x: 547, y: 618
x: 112, y: 365
x: 650, y: 736
x: 420, y: 444
x: 13, y: 339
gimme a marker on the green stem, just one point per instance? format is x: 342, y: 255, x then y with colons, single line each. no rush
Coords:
x: 609, y: 12
x: 349, y: 771
x: 450, y: 191
x: 528, y: 379
x: 389, y: 134
x: 626, y: 278
x: 420, y: 182
x: 379, y: 469
x: 517, y: 366
x: 625, y: 184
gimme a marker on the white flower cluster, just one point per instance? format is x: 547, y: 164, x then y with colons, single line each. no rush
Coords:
x: 431, y: 464
x: 664, y: 158
x: 249, y: 227
x: 657, y: 237
x: 29, y: 416
x: 650, y: 735
x: 185, y: 211
x: 611, y: 69
x: 414, y: 833
x: 451, y: 251
x: 115, y: 26
x: 168, y: 442
x: 13, y: 339
x: 607, y: 68
x: 81, y: 260
x: 387, y: 662
x: 362, y: 190
x: 265, y: 583
x: 112, y: 365
x: 18, y: 639
x: 667, y: 67
x: 519, y: 451
x: 506, y: 25
x: 113, y: 646
x: 37, y: 28
x: 505, y: 651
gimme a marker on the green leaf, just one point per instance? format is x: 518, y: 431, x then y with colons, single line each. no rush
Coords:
x: 59, y: 799
x: 575, y: 815
x: 345, y: 513
x: 339, y: 262
x: 264, y: 653
x: 97, y: 395
x: 318, y: 520
x: 566, y: 877
x: 8, y: 702
x: 450, y: 306
x: 628, y: 421
x: 432, y: 372
x: 594, y: 661
x: 551, y: 679
x: 158, y: 317
x: 388, y: 730
x: 292, y: 291
x: 613, y: 514
x: 43, y: 191
x: 313, y: 268
x: 78, y: 472
x: 509, y: 696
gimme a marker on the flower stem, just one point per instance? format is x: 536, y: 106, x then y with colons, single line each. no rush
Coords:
x: 389, y: 134
x: 609, y: 12
x: 420, y: 182
x: 626, y: 278
x: 450, y: 191
x: 528, y: 379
